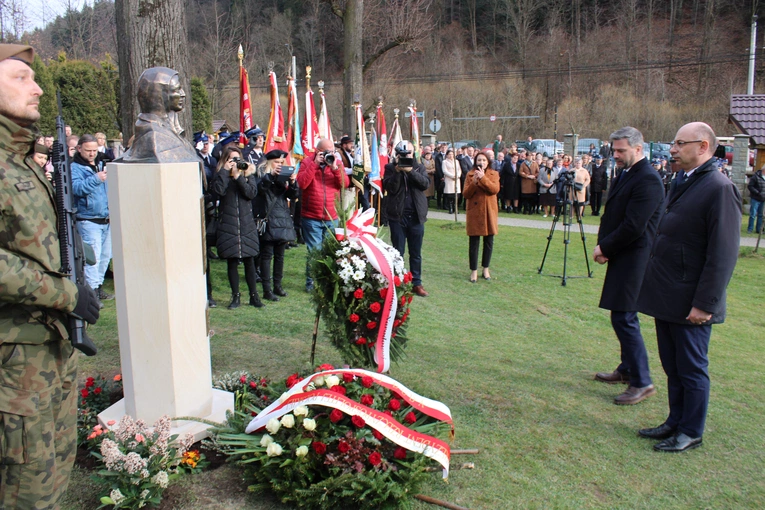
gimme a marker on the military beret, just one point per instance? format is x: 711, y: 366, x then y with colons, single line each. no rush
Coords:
x: 19, y: 51
x: 276, y: 154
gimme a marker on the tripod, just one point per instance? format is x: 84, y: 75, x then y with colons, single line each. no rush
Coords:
x: 567, y: 208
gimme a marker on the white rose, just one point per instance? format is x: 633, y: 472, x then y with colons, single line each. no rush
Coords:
x: 273, y: 425
x: 274, y: 450
x: 300, y: 411
x: 332, y: 380
x: 319, y: 381
x: 309, y: 424
x: 288, y: 421
x: 301, y: 451
x: 266, y: 440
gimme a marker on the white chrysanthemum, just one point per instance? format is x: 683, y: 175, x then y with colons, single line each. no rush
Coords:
x: 358, y: 276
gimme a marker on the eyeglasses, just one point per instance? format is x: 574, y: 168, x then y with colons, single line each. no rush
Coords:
x: 680, y: 143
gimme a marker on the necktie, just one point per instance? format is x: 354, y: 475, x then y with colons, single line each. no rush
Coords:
x: 682, y: 178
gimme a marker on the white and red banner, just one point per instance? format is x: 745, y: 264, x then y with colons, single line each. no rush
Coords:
x: 382, y: 130
x: 325, y: 129
x: 303, y: 393
x: 275, y: 138
x: 310, y: 136
x: 414, y: 132
x: 245, y: 107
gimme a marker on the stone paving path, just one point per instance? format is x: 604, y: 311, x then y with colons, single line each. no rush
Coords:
x: 517, y: 220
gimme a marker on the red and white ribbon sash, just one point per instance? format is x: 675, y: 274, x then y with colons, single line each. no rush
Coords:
x: 432, y: 408
x: 403, y: 436
x: 360, y: 228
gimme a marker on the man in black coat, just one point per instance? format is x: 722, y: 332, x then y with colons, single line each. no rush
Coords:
x: 598, y: 184
x: 438, y: 177
x: 406, y: 206
x: 624, y: 241
x: 690, y: 265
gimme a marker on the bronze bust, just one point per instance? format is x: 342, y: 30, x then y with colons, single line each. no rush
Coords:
x: 158, y: 134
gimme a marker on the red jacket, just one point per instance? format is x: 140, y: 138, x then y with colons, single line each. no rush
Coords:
x: 320, y: 187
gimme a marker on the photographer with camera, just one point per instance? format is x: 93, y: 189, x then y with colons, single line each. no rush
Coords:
x: 237, y: 234
x: 321, y: 179
x: 405, y: 183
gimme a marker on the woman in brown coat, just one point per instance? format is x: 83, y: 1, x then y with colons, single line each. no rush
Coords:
x: 481, y: 188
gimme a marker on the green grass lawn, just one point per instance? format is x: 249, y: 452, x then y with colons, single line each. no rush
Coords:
x: 514, y: 359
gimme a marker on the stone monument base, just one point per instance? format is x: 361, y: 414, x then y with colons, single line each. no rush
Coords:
x: 222, y: 401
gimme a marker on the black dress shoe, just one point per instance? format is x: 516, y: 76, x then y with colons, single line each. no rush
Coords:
x: 677, y: 443
x: 663, y: 431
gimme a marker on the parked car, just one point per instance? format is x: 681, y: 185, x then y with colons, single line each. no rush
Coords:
x: 548, y: 146
x: 727, y: 142
x: 659, y: 150
x: 469, y: 143
x: 583, y: 146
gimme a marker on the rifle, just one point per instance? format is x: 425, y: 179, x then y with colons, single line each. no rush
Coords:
x: 72, y: 256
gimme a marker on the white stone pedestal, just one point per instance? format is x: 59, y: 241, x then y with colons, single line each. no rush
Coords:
x: 161, y: 298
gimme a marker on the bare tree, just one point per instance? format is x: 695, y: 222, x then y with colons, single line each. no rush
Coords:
x: 13, y: 20
x: 150, y: 34
x: 523, y: 15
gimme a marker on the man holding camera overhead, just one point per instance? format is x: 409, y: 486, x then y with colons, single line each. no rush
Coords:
x: 321, y: 179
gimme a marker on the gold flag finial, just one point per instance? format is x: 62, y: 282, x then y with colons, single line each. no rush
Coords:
x: 240, y: 54
x: 395, y: 112
x: 308, y: 77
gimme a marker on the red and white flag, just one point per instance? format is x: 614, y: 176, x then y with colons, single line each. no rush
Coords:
x: 325, y: 129
x: 383, y: 132
x: 275, y: 138
x: 310, y: 135
x: 293, y: 126
x: 245, y: 108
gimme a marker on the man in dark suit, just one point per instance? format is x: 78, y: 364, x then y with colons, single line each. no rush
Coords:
x: 690, y: 265
x: 598, y: 184
x: 627, y: 227
x: 439, y: 175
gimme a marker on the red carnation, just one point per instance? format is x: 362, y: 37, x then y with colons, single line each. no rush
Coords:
x: 361, y: 341
x: 367, y: 381
x: 253, y: 384
x: 325, y: 366
x: 397, y: 281
x: 375, y: 307
x: 97, y: 391
x: 396, y: 323
x: 338, y: 389
x: 358, y: 421
x: 410, y: 299
x: 347, y: 377
x: 394, y: 404
x: 371, y: 325
x: 89, y: 382
x: 243, y: 379
x: 319, y: 447
x: 263, y: 382
x: 336, y: 415
x: 293, y: 380
x: 402, y: 300
x: 410, y: 417
x: 84, y: 393
x: 384, y: 292
x: 375, y: 459
x: 387, y: 411
x: 358, y: 293
x: 377, y: 435
x: 395, y: 394
x: 367, y: 400
x: 253, y: 413
x: 343, y: 447
x: 400, y: 453
x: 354, y: 318
x: 408, y: 277
x: 372, y: 345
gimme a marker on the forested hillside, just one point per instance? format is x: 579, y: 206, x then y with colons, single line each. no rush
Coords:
x: 649, y: 63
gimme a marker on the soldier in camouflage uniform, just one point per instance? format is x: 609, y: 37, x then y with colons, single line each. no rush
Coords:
x: 38, y: 368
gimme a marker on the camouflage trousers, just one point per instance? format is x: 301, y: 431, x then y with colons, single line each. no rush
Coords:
x: 38, y: 423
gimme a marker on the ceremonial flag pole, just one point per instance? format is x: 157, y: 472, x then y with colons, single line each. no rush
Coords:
x: 395, y: 133
x: 310, y: 135
x: 293, y: 121
x: 275, y: 138
x: 325, y: 129
x: 414, y: 130
x: 245, y: 108
x: 383, y: 132
x: 375, y: 179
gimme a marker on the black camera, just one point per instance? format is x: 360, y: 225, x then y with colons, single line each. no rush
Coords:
x: 241, y: 164
x: 329, y: 157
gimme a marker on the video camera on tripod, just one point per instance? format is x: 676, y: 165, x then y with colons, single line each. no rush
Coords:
x: 565, y: 182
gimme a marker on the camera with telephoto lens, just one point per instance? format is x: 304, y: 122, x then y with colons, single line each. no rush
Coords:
x: 329, y: 157
x: 567, y: 178
x: 240, y: 164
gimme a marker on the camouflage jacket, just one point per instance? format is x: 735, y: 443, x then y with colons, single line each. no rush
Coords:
x: 34, y: 297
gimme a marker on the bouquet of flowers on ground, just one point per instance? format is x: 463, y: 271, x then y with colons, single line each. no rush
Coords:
x: 96, y: 395
x: 139, y: 464
x: 340, y: 439
x: 365, y: 311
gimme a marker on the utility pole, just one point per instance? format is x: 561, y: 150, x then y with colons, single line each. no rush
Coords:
x: 752, y: 51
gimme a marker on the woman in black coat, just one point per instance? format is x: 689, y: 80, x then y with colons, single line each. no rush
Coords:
x: 511, y: 183
x: 237, y: 235
x: 271, y: 204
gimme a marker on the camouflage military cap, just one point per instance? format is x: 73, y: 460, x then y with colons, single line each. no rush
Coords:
x: 19, y: 51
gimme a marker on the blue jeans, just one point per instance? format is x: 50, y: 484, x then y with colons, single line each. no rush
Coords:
x: 99, y: 237
x: 755, y: 210
x: 313, y: 235
x: 409, y: 230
